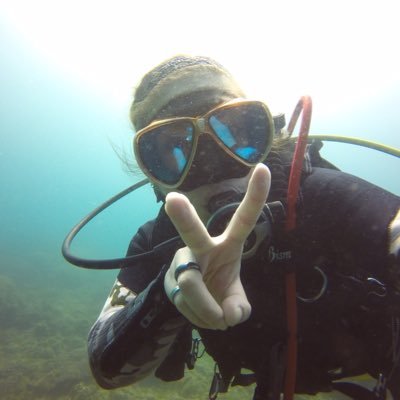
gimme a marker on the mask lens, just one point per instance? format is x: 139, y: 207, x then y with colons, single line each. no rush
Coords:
x: 165, y: 150
x: 245, y: 129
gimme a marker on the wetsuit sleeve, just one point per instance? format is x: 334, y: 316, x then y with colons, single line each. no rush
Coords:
x: 350, y: 220
x: 134, y: 332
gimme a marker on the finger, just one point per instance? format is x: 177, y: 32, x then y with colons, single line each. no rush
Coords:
x: 193, y: 299
x: 177, y: 299
x: 186, y: 280
x: 247, y: 214
x: 186, y: 221
x: 183, y: 257
x: 170, y: 281
x: 235, y: 306
x: 184, y: 309
x: 199, y: 300
x: 188, y: 313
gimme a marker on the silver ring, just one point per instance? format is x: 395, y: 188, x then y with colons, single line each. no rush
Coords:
x: 185, y: 267
x: 173, y: 293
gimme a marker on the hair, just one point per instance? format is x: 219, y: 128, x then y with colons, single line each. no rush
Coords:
x: 190, y: 83
x: 161, y: 71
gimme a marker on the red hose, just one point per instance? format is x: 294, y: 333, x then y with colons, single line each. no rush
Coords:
x: 291, y: 355
x: 304, y: 105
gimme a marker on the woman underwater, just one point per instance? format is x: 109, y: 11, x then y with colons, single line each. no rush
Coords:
x: 204, y: 146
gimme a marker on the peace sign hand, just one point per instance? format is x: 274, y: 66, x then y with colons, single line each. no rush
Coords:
x: 214, y: 298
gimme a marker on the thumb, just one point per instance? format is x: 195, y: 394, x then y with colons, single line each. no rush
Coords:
x: 236, y: 309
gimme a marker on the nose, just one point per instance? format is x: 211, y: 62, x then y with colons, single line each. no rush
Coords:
x: 212, y: 164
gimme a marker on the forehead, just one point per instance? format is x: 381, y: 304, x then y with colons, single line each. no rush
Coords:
x: 193, y: 104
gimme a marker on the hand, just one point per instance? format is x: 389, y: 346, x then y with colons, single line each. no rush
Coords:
x: 214, y: 297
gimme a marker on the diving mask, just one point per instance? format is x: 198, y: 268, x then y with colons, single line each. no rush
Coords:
x: 166, y: 150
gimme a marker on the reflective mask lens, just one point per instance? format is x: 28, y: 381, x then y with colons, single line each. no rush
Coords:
x: 165, y: 149
x: 244, y: 129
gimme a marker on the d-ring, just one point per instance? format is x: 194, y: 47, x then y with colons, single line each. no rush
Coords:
x: 320, y: 293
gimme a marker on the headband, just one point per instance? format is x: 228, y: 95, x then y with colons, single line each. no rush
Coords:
x: 179, y: 83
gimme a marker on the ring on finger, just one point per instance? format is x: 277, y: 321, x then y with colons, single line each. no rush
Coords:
x: 185, y: 267
x: 173, y: 293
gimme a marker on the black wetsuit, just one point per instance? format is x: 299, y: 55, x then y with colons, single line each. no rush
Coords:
x: 342, y: 229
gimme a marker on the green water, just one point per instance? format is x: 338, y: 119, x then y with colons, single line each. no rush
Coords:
x: 56, y: 165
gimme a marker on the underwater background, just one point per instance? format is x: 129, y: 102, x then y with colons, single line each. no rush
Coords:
x: 57, y: 163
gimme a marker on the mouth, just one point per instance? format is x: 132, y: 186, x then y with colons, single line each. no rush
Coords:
x: 222, y: 199
x: 210, y: 197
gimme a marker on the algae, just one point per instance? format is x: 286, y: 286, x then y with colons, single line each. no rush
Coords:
x: 44, y: 323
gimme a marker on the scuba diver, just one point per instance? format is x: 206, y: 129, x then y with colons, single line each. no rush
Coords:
x: 296, y: 283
